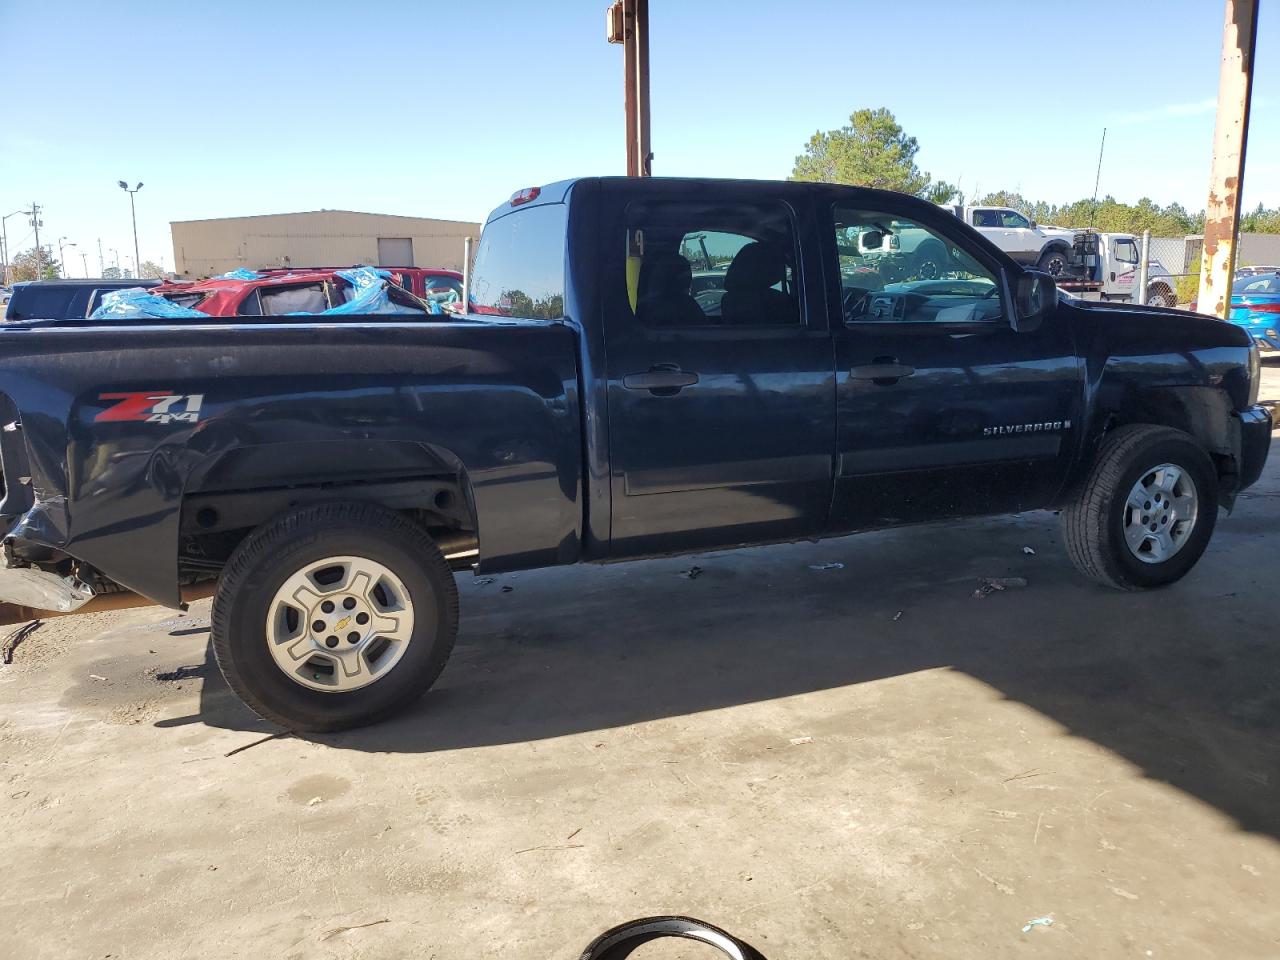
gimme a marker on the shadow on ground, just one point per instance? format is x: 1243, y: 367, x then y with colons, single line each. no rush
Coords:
x: 1183, y: 682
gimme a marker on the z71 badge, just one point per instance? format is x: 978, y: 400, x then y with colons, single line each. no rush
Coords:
x: 151, y: 406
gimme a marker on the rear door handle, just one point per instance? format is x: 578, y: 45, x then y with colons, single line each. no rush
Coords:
x: 884, y: 372
x: 663, y: 379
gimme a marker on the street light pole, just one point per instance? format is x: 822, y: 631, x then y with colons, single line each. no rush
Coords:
x: 84, y: 259
x: 62, y: 263
x: 4, y: 244
x: 137, y: 263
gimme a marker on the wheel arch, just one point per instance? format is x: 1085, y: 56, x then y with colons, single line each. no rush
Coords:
x: 1200, y: 411
x: 232, y: 492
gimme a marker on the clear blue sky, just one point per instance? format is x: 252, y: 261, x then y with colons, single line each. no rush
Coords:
x: 443, y: 108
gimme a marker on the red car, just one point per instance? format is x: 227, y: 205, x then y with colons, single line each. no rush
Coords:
x: 306, y: 290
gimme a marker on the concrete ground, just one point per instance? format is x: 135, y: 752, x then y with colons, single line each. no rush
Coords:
x: 861, y: 761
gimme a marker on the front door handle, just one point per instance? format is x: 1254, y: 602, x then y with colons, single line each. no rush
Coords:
x: 662, y: 380
x: 885, y: 372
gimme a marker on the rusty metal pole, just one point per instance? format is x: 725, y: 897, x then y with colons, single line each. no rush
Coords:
x: 629, y: 93
x: 1230, y: 136
x: 627, y: 23
x: 640, y: 30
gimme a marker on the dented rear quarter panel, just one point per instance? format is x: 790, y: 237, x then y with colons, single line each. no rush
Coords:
x: 493, y: 402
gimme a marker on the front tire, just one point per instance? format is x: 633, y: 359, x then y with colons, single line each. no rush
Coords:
x: 1053, y: 261
x: 1146, y: 511
x: 334, y: 616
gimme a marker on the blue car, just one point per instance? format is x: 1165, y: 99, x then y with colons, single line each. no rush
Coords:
x: 1255, y: 305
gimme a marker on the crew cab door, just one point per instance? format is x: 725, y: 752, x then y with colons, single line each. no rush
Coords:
x: 719, y: 364
x: 943, y: 409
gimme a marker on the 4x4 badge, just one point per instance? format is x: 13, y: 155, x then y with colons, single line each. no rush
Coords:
x: 151, y: 406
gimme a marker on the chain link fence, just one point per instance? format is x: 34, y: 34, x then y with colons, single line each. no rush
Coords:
x: 1173, y: 277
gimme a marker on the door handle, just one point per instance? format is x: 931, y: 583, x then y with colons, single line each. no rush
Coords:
x: 662, y: 380
x: 884, y: 372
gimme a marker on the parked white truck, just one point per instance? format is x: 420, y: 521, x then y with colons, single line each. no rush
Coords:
x: 1086, y: 263
x: 1045, y: 247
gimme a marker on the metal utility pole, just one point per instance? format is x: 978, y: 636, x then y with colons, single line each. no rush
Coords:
x: 137, y: 263
x: 84, y: 259
x: 1230, y: 136
x: 102, y: 264
x: 627, y: 23
x: 35, y: 225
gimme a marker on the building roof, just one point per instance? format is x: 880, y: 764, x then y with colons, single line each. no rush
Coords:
x: 306, y: 213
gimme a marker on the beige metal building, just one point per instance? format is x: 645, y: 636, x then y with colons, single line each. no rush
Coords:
x: 320, y: 238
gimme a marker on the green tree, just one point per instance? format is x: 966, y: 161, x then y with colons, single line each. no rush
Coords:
x: 23, y: 266
x: 110, y: 273
x: 150, y: 270
x: 871, y: 151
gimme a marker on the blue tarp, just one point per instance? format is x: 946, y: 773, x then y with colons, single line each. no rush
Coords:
x: 369, y: 294
x: 239, y: 273
x: 135, y: 302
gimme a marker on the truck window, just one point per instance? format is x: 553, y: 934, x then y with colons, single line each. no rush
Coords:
x: 986, y: 218
x: 692, y: 264
x: 1126, y: 251
x: 277, y: 301
x: 519, y: 269
x: 894, y: 270
x: 1011, y: 219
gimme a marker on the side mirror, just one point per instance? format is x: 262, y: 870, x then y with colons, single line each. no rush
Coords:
x: 871, y: 240
x: 1035, y: 295
x: 1033, y: 224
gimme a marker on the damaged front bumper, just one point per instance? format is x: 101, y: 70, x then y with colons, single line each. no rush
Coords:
x: 1255, y: 443
x: 42, y: 590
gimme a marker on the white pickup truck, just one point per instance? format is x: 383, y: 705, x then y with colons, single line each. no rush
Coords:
x: 1048, y: 248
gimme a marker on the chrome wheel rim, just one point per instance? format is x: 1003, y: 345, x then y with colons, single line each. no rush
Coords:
x: 1160, y: 513
x: 339, y: 624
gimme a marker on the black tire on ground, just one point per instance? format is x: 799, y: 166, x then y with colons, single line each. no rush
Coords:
x: 1161, y: 296
x: 1053, y: 261
x: 1094, y: 523
x: 281, y: 548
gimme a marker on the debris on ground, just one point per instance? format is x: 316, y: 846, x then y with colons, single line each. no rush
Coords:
x: 897, y: 616
x: 11, y: 642
x: 94, y: 676
x: 990, y: 585
x: 693, y: 573
x: 484, y: 581
x: 507, y: 588
x: 1038, y: 922
x: 315, y: 801
x: 826, y: 566
x: 1028, y: 551
x: 329, y: 935
x: 798, y: 741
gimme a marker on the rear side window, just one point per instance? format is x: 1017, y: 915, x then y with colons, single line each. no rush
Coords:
x: 278, y: 301
x: 519, y: 270
x: 36, y: 302
x: 692, y: 264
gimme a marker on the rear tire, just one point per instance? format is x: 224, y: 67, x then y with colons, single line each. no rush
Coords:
x: 267, y: 613
x: 1113, y: 538
x: 1161, y: 296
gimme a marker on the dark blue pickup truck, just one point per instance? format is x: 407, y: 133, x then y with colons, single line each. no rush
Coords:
x: 596, y: 404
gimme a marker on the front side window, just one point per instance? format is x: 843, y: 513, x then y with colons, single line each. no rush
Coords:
x: 693, y: 264
x: 519, y: 269
x: 1126, y: 251
x: 895, y: 270
x: 1011, y: 219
